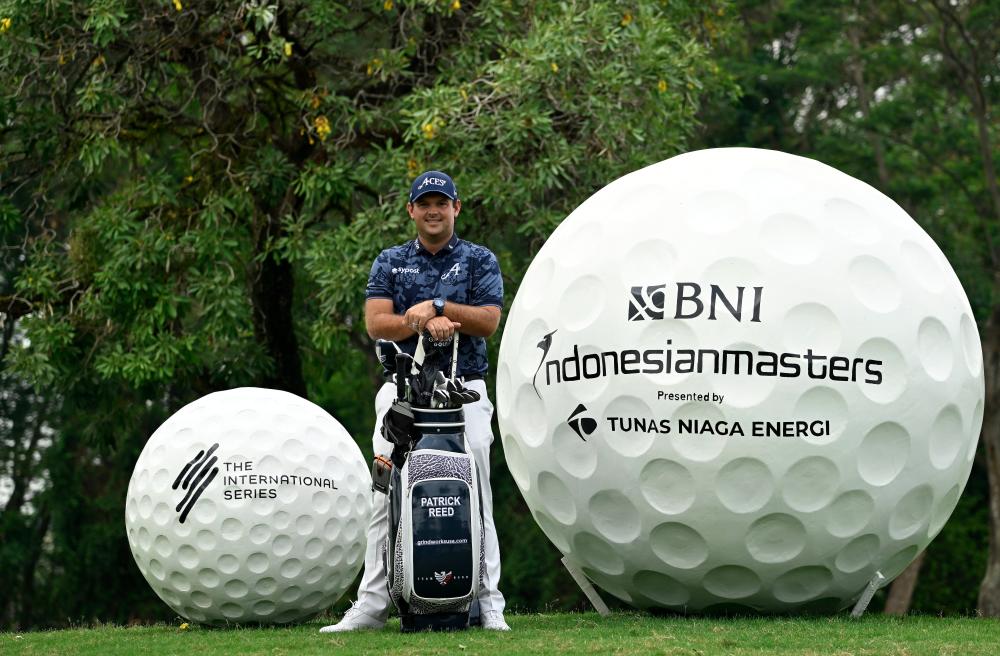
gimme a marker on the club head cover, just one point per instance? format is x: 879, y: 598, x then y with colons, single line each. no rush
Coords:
x: 397, y: 425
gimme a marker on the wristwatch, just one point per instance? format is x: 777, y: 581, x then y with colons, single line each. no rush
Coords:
x: 439, y: 306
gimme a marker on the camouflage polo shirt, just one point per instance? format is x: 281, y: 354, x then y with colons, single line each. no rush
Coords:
x: 461, y: 272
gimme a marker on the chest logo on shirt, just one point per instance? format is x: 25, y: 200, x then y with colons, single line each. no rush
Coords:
x: 404, y: 270
x: 452, y: 272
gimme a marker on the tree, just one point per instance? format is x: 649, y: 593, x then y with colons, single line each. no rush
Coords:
x: 24, y: 433
x: 204, y: 184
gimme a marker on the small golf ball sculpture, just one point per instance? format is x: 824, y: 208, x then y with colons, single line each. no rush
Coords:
x: 740, y: 380
x: 249, y: 506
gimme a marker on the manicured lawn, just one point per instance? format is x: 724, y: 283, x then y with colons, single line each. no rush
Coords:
x: 566, y: 633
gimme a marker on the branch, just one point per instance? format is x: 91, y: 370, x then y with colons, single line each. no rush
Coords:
x: 933, y: 162
x: 15, y: 307
x: 6, y: 338
x: 965, y: 74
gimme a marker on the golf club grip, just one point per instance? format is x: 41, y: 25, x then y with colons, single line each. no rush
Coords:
x: 401, y: 376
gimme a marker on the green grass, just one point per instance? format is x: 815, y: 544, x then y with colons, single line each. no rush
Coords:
x: 565, y: 633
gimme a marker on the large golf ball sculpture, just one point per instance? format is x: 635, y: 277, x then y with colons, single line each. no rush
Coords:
x: 740, y: 379
x: 249, y: 506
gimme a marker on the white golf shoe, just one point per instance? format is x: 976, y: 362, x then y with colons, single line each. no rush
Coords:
x: 492, y: 620
x: 355, y: 619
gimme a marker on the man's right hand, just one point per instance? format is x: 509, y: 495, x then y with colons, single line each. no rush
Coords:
x: 441, y: 328
x: 418, y: 316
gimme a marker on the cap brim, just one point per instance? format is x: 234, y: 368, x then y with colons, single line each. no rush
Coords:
x: 432, y: 191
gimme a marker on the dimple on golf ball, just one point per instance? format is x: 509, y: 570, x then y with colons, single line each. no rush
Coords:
x: 249, y: 506
x: 740, y: 379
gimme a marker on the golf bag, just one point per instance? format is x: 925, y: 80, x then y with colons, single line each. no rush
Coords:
x: 434, y: 553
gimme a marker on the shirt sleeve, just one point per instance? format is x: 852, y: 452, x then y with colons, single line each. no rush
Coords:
x: 488, y: 288
x: 380, y: 278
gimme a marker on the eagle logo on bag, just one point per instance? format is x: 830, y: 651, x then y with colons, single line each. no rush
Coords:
x: 444, y: 578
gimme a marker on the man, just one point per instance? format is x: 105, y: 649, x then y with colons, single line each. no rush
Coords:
x: 442, y: 284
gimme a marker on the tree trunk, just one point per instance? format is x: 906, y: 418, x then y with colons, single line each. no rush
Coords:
x: 989, y: 590
x: 27, y: 595
x: 901, y: 591
x: 857, y: 68
x: 273, y: 298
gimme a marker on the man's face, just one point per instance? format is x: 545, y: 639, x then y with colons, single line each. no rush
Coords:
x: 434, y: 215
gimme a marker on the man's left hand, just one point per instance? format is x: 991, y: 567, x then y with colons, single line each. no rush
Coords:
x: 418, y: 315
x: 441, y: 328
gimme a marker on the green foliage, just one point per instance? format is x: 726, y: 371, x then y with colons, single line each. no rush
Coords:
x: 212, y: 137
x: 198, y: 189
x: 87, y: 571
x: 885, y: 92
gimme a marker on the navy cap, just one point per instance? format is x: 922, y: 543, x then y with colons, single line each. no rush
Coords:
x: 433, y: 181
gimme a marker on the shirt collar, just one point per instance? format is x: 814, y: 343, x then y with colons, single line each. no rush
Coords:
x: 449, y: 247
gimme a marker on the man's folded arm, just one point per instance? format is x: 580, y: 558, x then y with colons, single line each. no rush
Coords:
x: 382, y: 323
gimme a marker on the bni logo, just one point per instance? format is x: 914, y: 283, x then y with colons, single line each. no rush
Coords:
x: 647, y: 302
x: 581, y: 423
x: 692, y: 300
x: 197, y: 474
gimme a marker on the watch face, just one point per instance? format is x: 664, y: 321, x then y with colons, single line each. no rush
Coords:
x: 439, y: 306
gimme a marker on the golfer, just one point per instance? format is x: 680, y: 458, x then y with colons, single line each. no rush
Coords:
x: 438, y: 283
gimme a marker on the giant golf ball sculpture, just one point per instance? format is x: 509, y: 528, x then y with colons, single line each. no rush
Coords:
x: 740, y: 379
x: 249, y: 506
